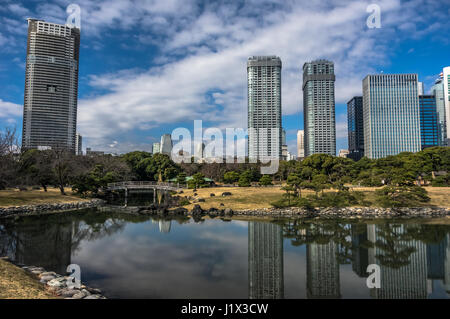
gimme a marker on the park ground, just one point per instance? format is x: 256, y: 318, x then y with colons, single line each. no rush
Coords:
x: 242, y: 197
x: 14, y: 197
x: 15, y: 283
x: 261, y: 197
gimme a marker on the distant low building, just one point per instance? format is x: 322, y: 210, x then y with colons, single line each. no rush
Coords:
x: 90, y: 152
x: 343, y: 153
x: 156, y: 148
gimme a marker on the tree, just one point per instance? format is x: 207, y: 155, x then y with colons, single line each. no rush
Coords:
x: 62, y: 164
x: 197, y: 181
x: 231, y: 177
x: 245, y: 179
x: 157, y: 167
x: 401, y: 196
x: 35, y: 166
x: 9, y: 150
x: 133, y: 159
x: 181, y: 178
x: 266, y: 180
x: 295, y: 181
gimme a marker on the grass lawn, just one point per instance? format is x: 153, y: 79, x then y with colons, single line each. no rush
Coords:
x: 15, y: 283
x: 14, y: 197
x: 261, y: 197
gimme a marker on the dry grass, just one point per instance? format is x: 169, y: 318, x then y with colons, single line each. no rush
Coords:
x: 15, y: 283
x: 14, y: 197
x: 261, y: 197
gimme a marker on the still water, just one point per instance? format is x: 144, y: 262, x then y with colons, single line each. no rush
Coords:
x: 140, y: 257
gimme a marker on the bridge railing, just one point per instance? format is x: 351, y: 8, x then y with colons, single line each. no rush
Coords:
x: 137, y: 184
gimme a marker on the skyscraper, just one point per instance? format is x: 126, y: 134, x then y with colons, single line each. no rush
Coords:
x: 264, y: 107
x: 446, y: 81
x: 438, y: 92
x: 355, y: 128
x: 79, y: 145
x: 51, y: 86
x: 166, y: 144
x: 156, y: 148
x: 429, y: 130
x: 300, y: 144
x: 319, y: 107
x: 391, y: 115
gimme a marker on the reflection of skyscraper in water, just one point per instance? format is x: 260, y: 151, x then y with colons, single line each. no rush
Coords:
x: 265, y: 261
x: 404, y: 266
x: 322, y: 268
x: 360, y: 254
x: 164, y: 225
x: 436, y: 264
x: 447, y: 267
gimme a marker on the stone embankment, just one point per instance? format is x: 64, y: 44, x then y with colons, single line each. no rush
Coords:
x: 48, y: 208
x: 347, y: 212
x: 58, y: 284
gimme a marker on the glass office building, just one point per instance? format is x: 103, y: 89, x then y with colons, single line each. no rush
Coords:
x: 264, y: 107
x: 319, y: 107
x: 429, y: 132
x: 391, y: 115
x: 355, y: 128
x: 438, y: 92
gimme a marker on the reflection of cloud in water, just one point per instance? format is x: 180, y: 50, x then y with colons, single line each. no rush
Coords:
x: 148, y: 266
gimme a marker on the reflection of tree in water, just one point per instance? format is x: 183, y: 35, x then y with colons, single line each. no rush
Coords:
x: 49, y: 241
x: 393, y: 241
x: 303, y: 232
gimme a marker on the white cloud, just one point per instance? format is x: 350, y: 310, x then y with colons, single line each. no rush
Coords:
x: 8, y: 110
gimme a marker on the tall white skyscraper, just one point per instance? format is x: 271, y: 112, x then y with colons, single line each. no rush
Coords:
x: 391, y: 115
x: 319, y: 107
x: 51, y: 86
x: 156, y: 148
x: 79, y: 145
x: 420, y: 88
x: 264, y: 107
x: 300, y: 144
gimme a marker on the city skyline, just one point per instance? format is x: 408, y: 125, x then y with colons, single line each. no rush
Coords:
x: 139, y: 121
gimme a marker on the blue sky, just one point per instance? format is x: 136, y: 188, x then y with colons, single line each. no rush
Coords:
x: 149, y: 66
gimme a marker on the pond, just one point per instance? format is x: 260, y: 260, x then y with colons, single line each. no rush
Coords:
x: 142, y: 257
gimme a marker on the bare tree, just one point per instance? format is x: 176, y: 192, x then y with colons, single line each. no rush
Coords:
x: 9, y: 153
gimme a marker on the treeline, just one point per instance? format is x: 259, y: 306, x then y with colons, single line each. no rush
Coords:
x: 86, y: 174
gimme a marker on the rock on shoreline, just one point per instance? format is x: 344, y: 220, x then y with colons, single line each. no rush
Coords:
x: 333, y: 212
x: 45, y: 208
x: 57, y: 284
